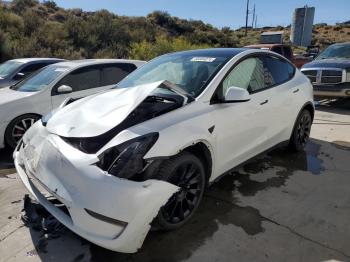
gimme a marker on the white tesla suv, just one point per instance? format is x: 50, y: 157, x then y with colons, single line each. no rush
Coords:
x: 141, y: 154
x: 26, y: 102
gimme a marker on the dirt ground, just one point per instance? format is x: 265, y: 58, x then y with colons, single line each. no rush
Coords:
x: 278, y: 207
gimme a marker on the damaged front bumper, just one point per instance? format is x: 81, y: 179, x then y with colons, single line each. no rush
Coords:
x: 111, y: 212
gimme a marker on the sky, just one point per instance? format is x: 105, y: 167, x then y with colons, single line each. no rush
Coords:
x: 221, y: 13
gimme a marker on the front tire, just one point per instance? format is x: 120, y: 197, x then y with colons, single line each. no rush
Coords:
x: 187, y: 172
x: 17, y: 127
x: 301, y: 132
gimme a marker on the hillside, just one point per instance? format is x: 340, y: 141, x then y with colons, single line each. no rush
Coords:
x: 29, y: 28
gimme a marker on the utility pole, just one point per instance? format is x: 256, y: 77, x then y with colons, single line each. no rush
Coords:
x: 256, y: 20
x: 246, y: 19
x: 253, y: 17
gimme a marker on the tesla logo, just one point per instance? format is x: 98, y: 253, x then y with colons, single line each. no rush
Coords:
x: 319, y: 77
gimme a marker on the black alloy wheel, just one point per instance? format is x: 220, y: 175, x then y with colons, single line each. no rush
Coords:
x: 187, y: 172
x: 17, y: 128
x: 301, y: 132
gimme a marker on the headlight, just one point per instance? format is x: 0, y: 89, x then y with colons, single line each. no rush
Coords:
x: 126, y: 160
x: 347, y: 75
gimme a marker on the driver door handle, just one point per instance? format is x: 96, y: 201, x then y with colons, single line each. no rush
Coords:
x: 265, y: 102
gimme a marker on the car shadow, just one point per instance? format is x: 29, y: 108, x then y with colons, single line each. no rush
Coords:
x: 6, y: 162
x: 221, y: 206
x: 339, y: 106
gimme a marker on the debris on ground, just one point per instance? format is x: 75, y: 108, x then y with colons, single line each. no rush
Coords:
x: 36, y: 217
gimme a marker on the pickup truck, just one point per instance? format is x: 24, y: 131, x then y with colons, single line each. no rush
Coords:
x: 284, y: 50
x: 329, y: 73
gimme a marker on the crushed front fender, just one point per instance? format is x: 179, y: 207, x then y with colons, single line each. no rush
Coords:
x: 111, y: 212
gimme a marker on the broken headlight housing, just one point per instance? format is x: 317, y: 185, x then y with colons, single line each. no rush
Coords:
x: 126, y: 160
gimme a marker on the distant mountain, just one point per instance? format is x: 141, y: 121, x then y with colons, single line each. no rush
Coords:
x: 344, y: 23
x: 5, y: 2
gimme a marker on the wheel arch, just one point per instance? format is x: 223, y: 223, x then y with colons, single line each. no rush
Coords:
x: 307, y: 106
x: 202, y: 151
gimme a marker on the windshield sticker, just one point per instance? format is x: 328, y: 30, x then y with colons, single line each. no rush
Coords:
x: 203, y: 59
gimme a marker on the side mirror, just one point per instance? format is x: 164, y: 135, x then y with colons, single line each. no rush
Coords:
x: 236, y: 94
x: 63, y: 89
x: 19, y: 76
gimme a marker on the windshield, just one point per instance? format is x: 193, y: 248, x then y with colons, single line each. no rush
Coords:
x: 8, y: 68
x: 191, y: 73
x: 41, y: 79
x: 336, y: 51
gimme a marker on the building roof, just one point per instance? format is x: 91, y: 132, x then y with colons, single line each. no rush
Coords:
x: 273, y: 33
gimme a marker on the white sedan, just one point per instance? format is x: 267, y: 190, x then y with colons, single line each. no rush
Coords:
x: 141, y: 154
x: 24, y: 103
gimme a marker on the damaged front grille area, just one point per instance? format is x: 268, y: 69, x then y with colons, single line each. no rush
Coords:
x: 45, y: 193
x: 151, y: 107
x: 54, y: 201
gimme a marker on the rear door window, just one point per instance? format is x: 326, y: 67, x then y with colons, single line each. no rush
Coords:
x: 113, y: 73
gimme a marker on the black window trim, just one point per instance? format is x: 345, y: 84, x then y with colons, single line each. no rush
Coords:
x: 131, y: 66
x: 57, y: 84
x: 214, y: 99
x: 282, y: 58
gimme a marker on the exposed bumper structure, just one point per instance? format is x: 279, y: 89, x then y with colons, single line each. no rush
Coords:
x: 111, y: 212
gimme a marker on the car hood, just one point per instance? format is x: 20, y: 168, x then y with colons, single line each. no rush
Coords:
x: 8, y: 95
x: 4, y: 82
x: 329, y: 63
x: 97, y: 114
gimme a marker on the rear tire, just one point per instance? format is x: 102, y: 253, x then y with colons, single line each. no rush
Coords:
x: 187, y: 172
x: 17, y: 127
x: 301, y: 132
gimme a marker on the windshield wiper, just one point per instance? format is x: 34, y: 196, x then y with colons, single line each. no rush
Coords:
x: 178, y: 90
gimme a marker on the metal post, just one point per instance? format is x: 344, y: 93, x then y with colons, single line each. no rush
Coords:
x: 253, y: 17
x: 256, y: 20
x: 246, y: 19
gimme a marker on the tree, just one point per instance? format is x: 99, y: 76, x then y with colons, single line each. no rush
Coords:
x: 20, y: 6
x: 50, y: 4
